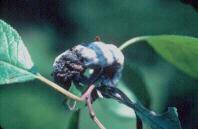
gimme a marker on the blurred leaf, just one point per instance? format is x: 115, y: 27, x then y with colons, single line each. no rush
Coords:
x: 120, y: 109
x: 74, y: 121
x: 39, y: 41
x: 15, y: 62
x: 107, y: 118
x: 133, y: 79
x: 168, y: 120
x: 181, y: 51
x: 32, y: 105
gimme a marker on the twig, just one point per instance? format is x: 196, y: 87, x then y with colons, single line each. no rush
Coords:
x: 59, y: 88
x: 88, y: 92
x: 92, y: 114
x: 87, y: 96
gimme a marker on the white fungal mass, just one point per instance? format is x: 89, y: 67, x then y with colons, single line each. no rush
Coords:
x: 106, y: 60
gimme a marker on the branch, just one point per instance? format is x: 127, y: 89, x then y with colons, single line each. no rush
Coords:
x: 59, y: 88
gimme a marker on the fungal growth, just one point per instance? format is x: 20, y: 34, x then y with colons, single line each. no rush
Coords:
x: 105, y: 59
x: 67, y: 68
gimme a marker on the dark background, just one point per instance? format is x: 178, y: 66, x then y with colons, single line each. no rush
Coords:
x: 50, y: 27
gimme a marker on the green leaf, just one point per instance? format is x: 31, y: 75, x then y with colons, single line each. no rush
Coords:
x: 181, y: 51
x: 15, y: 62
x: 78, y: 90
x: 31, y: 105
x: 168, y: 120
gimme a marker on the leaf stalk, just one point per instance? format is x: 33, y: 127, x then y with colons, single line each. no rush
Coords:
x: 132, y: 41
x: 59, y: 88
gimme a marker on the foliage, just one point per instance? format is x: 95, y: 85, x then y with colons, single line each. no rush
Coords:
x: 141, y: 111
x: 181, y: 51
x: 168, y: 120
x: 47, y: 31
x: 15, y: 62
